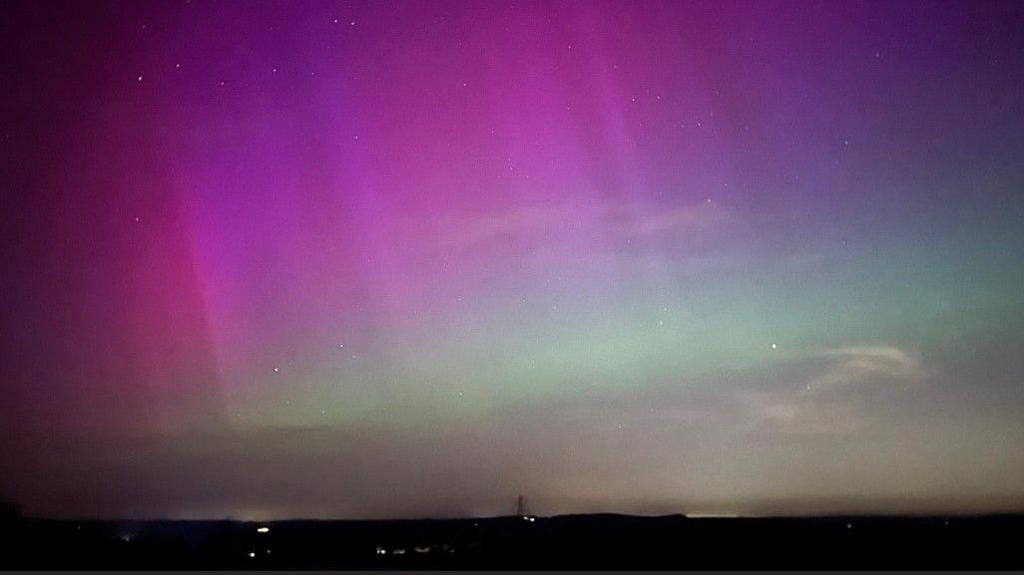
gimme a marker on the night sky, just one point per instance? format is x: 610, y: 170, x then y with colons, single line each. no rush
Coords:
x: 271, y: 259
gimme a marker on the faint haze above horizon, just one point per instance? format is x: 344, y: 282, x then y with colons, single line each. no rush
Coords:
x: 321, y: 259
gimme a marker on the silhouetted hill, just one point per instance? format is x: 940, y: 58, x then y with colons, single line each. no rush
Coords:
x: 599, y: 541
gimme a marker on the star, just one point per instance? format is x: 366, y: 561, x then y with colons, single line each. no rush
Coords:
x: 775, y: 346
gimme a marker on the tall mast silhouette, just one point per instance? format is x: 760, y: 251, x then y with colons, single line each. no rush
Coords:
x: 521, y: 506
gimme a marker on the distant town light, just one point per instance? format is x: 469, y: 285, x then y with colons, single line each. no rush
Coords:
x: 262, y: 530
x: 252, y: 554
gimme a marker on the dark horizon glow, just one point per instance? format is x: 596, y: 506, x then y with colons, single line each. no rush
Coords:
x: 405, y: 259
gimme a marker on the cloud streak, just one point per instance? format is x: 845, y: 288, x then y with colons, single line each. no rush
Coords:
x: 833, y: 396
x: 577, y: 220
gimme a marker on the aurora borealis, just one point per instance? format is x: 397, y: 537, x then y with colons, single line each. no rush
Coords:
x: 404, y: 259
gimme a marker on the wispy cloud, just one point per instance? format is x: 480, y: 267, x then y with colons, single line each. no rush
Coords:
x: 695, y: 219
x: 834, y: 397
x: 457, y: 231
x: 852, y: 365
x: 596, y: 220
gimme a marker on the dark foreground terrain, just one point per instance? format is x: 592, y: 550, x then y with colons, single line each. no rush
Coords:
x: 564, y: 542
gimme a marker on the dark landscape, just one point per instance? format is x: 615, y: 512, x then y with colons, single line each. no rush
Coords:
x: 600, y: 541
